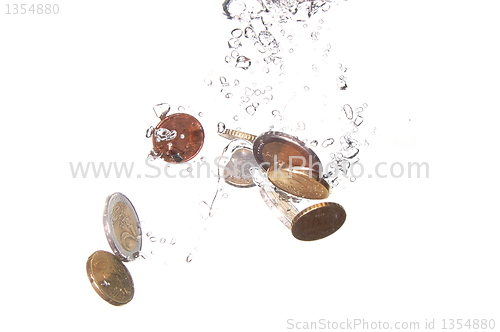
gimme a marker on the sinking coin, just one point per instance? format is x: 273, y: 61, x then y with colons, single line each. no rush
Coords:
x: 237, y: 171
x: 122, y: 227
x: 313, y: 223
x: 178, y: 138
x: 277, y: 148
x: 283, y: 209
x: 110, y: 278
x: 234, y: 134
x: 318, y: 221
x: 299, y: 182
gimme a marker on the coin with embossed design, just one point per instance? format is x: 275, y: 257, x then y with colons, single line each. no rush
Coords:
x: 318, y: 221
x: 122, y: 227
x: 178, y: 138
x: 278, y: 148
x: 299, y: 182
x: 110, y: 278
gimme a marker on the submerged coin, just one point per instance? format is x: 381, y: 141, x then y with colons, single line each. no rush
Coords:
x: 234, y: 134
x: 110, y: 278
x: 318, y: 221
x: 122, y: 227
x: 178, y: 138
x: 299, y: 182
x: 237, y: 170
x: 279, y: 148
x: 282, y: 208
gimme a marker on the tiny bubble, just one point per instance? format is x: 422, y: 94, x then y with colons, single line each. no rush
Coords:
x: 153, y: 238
x: 189, y: 258
x: 221, y: 127
x: 225, y: 195
x: 203, y: 159
x: 236, y: 118
x: 181, y: 108
x: 182, y: 136
x: 200, y: 114
x: 163, y: 240
x: 228, y: 95
x: 306, y: 88
x: 314, y: 143
x: 148, y: 234
x: 173, y: 241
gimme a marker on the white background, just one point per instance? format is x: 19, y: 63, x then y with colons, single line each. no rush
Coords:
x: 80, y: 86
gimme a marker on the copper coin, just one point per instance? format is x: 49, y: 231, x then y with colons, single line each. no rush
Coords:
x: 122, y: 227
x: 178, y: 138
x: 318, y: 221
x: 299, y: 182
x: 237, y: 171
x: 235, y: 134
x: 110, y: 278
x: 275, y: 147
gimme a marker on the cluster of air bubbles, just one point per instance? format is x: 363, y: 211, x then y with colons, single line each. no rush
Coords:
x: 163, y: 134
x: 354, y: 114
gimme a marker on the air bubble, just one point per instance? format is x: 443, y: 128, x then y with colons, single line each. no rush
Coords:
x: 290, y: 50
x: 250, y: 110
x: 173, y: 241
x: 227, y: 59
x: 266, y: 70
x: 236, y: 82
x: 243, y: 62
x: 203, y: 159
x: 234, y: 43
x: 365, y: 105
x: 161, y: 110
x: 148, y: 234
x: 314, y: 143
x: 149, y: 132
x: 275, y: 113
x: 200, y: 114
x: 236, y: 118
x: 348, y: 111
x: 228, y: 95
x: 152, y: 238
x: 301, y: 126
x: 352, y: 179
x: 358, y: 121
x: 221, y: 127
x: 189, y: 258
x: 306, y: 88
x: 225, y: 195
x: 327, y: 142
x: 255, y: 104
x: 182, y: 136
x: 181, y: 109
x: 269, y: 88
x: 208, y: 82
x: 237, y: 33
x: 163, y: 240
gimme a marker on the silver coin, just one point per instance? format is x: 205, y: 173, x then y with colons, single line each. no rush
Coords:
x: 238, y: 169
x: 283, y: 209
x: 122, y: 227
x: 274, y: 147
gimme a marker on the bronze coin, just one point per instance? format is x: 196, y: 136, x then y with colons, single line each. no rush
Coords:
x: 237, y: 171
x: 275, y: 147
x: 235, y: 134
x: 298, y: 182
x: 110, y: 278
x: 318, y: 221
x: 178, y: 138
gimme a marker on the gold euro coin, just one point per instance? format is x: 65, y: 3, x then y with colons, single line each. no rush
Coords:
x: 278, y: 148
x: 110, y: 278
x: 122, y: 227
x: 318, y: 221
x: 302, y: 183
x: 231, y: 134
